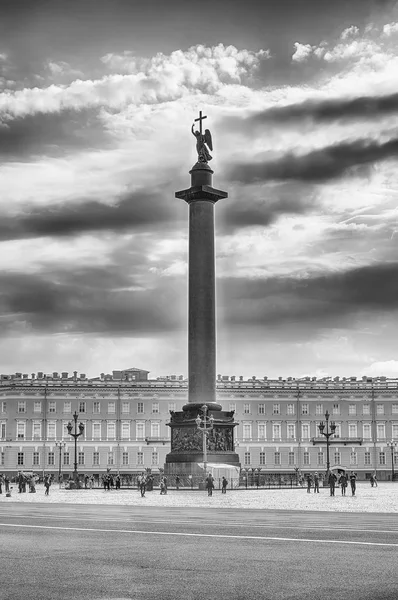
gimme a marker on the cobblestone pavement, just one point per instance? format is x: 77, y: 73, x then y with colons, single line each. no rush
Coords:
x: 383, y: 499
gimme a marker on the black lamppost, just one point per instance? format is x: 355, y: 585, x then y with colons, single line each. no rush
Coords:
x: 327, y: 435
x: 60, y: 445
x: 392, y: 445
x: 75, y: 435
x: 205, y: 425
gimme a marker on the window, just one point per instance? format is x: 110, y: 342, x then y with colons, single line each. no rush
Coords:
x: 247, y: 431
x: 125, y: 430
x: 262, y: 458
x: 352, y: 409
x: 276, y: 409
x: 380, y: 409
x: 96, y: 459
x: 366, y: 409
x: 366, y: 428
x: 96, y: 407
x: 381, y: 431
x: 337, y: 432
x: 232, y: 406
x: 290, y: 409
x: 140, y: 458
x: 21, y: 430
x: 352, y: 430
x: 395, y: 458
x: 382, y: 458
x: 367, y: 460
x: 52, y: 407
x: 110, y: 458
x: 140, y: 431
x: 51, y: 459
x: 172, y: 406
x: 111, y: 430
x: 319, y: 409
x: 291, y: 459
x: 337, y: 457
x: 306, y: 458
x: 37, y: 407
x: 261, y: 409
x: 51, y: 430
x: 125, y: 408
x: 111, y: 408
x: 80, y: 458
x: 261, y: 431
x: 82, y: 407
x: 247, y: 458
x: 155, y: 430
x: 394, y: 409
x: 3, y: 431
x: 305, y: 431
x: 140, y: 407
x: 304, y: 409
x: 66, y: 459
x: 276, y: 431
x: 36, y: 459
x: 4, y: 407
x: 21, y: 406
x: 336, y: 409
x: 353, y: 458
x: 20, y: 458
x: 2, y: 458
x: 394, y: 430
x: 155, y: 407
x: 291, y: 431
x: 96, y: 431
x: 125, y: 459
x: 67, y: 407
x: 277, y: 458
x: 155, y: 458
x: 246, y: 408
x: 321, y: 458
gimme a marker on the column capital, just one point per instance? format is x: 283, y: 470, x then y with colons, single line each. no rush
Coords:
x: 201, y: 192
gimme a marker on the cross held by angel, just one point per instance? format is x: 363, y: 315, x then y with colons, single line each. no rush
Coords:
x: 203, y: 141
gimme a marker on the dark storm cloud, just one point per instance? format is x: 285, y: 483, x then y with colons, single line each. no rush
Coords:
x: 52, y: 134
x: 275, y: 201
x: 102, y: 301
x: 318, y: 111
x: 325, y: 299
x: 134, y: 211
x: 331, y: 162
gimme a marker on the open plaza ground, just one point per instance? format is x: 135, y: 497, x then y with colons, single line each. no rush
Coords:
x: 381, y: 499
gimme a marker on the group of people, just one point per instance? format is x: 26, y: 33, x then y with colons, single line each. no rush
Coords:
x: 342, y: 479
x: 209, y: 484
x: 109, y: 481
x: 4, y: 482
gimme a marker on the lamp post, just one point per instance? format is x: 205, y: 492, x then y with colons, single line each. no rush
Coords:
x: 205, y: 425
x: 392, y: 445
x: 60, y: 445
x: 75, y: 435
x: 327, y: 435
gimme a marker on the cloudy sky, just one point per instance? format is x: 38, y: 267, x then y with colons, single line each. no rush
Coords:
x: 97, y: 99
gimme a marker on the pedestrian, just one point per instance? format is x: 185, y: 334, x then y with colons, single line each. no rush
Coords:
x: 1, y: 482
x: 86, y: 480
x: 209, y: 484
x: 117, y: 482
x: 309, y: 482
x: 372, y: 481
x: 316, y: 483
x: 47, y: 483
x: 332, y: 483
x: 375, y: 478
x: 353, y: 482
x: 343, y: 483
x: 224, y: 485
x: 163, y: 489
x: 91, y: 482
x: 7, y: 483
x: 177, y: 482
x: 142, y: 480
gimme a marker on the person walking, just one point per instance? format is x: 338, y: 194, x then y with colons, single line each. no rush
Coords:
x: 375, y: 478
x: 142, y: 483
x: 86, y: 480
x: 332, y: 483
x: 91, y: 482
x: 224, y: 485
x: 209, y: 484
x: 1, y: 482
x: 117, y: 482
x: 353, y: 482
x: 372, y: 481
x: 7, y: 483
x: 316, y: 483
x: 177, y: 483
x: 47, y: 483
x: 309, y: 482
x: 343, y: 483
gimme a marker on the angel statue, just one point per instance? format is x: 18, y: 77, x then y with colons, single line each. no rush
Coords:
x: 201, y: 141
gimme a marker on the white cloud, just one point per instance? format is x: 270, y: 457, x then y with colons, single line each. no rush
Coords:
x: 302, y: 52
x: 349, y: 32
x: 388, y: 368
x: 390, y: 29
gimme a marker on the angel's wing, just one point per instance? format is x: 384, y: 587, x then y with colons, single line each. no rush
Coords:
x: 208, y: 139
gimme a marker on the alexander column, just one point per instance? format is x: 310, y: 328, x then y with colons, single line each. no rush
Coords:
x: 210, y: 437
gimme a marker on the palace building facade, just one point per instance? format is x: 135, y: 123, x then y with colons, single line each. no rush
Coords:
x: 125, y: 416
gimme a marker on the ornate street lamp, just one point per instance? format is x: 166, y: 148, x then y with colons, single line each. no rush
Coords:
x: 392, y: 445
x: 75, y: 435
x: 60, y: 445
x: 327, y: 435
x: 205, y: 425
